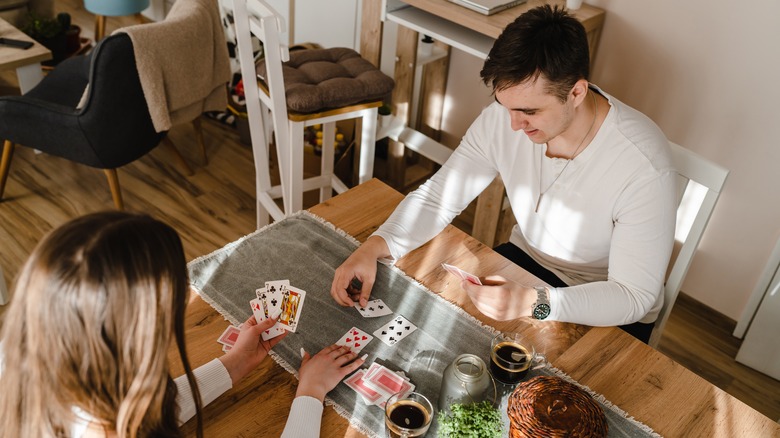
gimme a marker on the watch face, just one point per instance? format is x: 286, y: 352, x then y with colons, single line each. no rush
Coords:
x: 541, y: 311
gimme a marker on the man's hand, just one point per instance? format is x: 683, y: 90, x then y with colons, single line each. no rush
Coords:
x: 250, y: 348
x: 501, y: 299
x: 355, y: 277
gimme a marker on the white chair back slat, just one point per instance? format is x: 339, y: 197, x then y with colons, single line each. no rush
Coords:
x: 695, y: 170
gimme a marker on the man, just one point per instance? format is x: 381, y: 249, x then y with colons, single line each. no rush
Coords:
x: 589, y: 180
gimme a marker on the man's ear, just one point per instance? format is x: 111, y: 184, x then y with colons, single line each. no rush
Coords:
x: 579, y: 90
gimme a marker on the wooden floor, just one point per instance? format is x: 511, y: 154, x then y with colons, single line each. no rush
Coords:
x: 216, y: 206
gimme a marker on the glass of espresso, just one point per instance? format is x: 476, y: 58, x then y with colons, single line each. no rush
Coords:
x: 408, y: 416
x: 511, y: 357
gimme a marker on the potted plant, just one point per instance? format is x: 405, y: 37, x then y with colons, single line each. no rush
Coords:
x: 471, y: 420
x: 56, y: 34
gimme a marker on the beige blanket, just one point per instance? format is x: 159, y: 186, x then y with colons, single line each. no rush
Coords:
x: 182, y: 62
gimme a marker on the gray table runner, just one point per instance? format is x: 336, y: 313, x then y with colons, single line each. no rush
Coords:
x: 306, y: 250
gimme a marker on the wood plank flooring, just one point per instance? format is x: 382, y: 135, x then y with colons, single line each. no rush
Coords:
x: 216, y: 206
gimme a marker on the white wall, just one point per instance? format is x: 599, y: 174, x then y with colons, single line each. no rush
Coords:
x: 706, y: 72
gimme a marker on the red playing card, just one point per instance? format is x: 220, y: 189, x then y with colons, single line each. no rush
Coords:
x: 386, y: 381
x: 355, y: 339
x: 355, y: 381
x: 229, y: 336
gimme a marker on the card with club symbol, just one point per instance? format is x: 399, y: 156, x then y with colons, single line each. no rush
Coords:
x: 373, y: 309
x: 355, y: 339
x: 397, y: 329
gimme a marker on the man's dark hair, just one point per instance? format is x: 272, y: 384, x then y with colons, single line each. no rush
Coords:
x: 544, y: 41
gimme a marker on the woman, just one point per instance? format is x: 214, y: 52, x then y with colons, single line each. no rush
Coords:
x: 95, y: 309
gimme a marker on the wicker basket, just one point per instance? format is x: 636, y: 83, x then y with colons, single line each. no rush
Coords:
x: 552, y: 407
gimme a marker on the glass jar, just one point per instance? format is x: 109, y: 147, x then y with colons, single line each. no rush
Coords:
x: 465, y: 380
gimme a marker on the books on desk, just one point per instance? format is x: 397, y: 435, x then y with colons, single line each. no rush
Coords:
x: 488, y: 7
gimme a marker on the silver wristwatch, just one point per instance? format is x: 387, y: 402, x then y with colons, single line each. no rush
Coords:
x: 541, y: 308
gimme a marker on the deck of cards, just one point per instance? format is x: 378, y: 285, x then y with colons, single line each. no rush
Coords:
x: 376, y: 384
x: 228, y: 338
x: 278, y: 298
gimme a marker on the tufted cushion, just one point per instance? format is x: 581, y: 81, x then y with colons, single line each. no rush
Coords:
x: 320, y: 79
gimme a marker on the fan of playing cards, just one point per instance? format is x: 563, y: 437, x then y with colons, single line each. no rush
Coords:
x: 281, y: 301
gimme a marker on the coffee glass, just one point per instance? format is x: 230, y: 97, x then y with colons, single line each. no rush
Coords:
x: 408, y: 415
x: 511, y: 357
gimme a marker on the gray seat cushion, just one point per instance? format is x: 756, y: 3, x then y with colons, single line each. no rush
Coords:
x: 321, y: 79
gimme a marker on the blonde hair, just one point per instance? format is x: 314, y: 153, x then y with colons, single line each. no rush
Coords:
x: 93, y: 314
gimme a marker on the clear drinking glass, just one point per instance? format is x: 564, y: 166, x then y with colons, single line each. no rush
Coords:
x: 511, y: 357
x: 408, y: 416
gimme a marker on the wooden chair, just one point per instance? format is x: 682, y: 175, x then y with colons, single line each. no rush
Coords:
x: 287, y: 103
x: 700, y: 184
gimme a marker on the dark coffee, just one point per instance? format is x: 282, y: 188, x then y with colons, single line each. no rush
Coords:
x: 509, y: 362
x: 409, y: 415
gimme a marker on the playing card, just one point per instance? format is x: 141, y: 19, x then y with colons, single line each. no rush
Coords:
x: 355, y: 339
x: 226, y: 348
x: 259, y: 311
x: 373, y: 309
x: 385, y: 381
x: 229, y: 336
x: 395, y: 330
x: 460, y: 273
x: 273, y: 294
x: 355, y: 381
x: 291, y: 306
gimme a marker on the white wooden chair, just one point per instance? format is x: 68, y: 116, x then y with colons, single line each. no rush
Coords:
x: 700, y: 184
x: 267, y: 110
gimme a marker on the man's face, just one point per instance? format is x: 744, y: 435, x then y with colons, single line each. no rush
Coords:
x: 533, y: 110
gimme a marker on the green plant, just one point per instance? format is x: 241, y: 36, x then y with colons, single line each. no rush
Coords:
x: 40, y: 28
x: 472, y: 420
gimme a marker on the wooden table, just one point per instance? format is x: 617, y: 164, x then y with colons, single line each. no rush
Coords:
x: 27, y: 62
x: 645, y: 383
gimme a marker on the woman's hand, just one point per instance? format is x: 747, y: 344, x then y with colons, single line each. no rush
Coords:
x: 323, y: 371
x: 250, y: 349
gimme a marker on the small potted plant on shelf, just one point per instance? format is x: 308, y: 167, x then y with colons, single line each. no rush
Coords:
x: 56, y: 34
x: 471, y: 420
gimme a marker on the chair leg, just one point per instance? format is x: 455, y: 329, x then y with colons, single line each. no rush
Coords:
x: 196, y: 123
x: 326, y: 164
x: 182, y: 162
x: 367, y: 146
x: 116, y: 192
x: 100, y: 27
x: 5, y: 164
x: 295, y: 167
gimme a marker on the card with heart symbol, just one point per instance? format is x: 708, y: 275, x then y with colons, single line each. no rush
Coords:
x: 355, y: 339
x: 373, y: 309
x: 397, y: 329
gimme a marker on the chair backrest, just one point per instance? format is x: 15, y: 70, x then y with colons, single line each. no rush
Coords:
x: 699, y: 186
x: 255, y: 18
x: 115, y: 118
